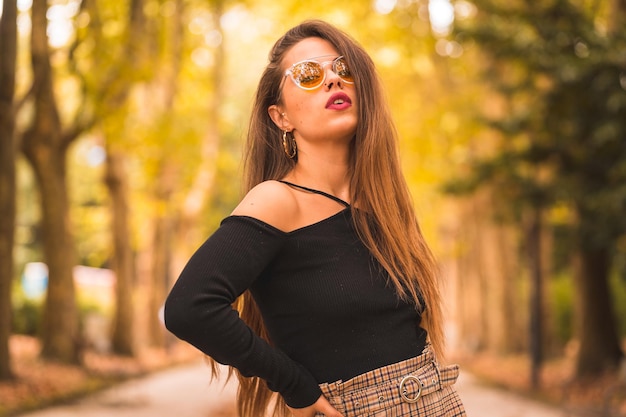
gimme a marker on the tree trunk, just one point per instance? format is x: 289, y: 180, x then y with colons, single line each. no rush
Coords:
x: 8, y: 51
x: 473, y: 323
x: 503, y: 246
x: 122, y: 329
x: 600, y: 349
x: 515, y: 338
x: 161, y: 260
x: 599, y: 345
x: 46, y: 149
x: 536, y: 296
x: 161, y: 252
x: 60, y: 336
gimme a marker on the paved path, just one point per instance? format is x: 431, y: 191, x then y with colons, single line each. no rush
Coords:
x: 483, y: 401
x: 188, y: 392
x: 185, y: 391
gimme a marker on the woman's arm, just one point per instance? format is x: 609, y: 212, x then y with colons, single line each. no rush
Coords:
x: 199, y: 307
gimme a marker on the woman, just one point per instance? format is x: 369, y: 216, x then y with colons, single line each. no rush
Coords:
x: 335, y: 286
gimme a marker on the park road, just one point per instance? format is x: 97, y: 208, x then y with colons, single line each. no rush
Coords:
x: 187, y: 391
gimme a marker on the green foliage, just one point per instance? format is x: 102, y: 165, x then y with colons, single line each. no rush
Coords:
x: 26, y: 313
x: 89, y: 306
x: 562, y: 307
x: 618, y: 288
x: 561, y: 75
x: 561, y: 292
x: 27, y: 318
x: 90, y: 204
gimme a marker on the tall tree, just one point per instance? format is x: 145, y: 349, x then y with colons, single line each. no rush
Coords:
x: 564, y: 75
x: 107, y: 64
x: 45, y: 144
x: 122, y: 335
x: 8, y: 55
x: 116, y: 179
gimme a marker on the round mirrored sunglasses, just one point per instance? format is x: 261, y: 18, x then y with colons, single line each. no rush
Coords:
x: 310, y: 74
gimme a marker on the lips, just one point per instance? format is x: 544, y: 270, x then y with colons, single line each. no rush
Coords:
x: 339, y: 101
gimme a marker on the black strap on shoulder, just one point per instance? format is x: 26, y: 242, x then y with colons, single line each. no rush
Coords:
x: 311, y: 190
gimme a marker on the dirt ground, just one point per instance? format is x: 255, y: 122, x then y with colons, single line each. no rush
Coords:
x: 602, y: 397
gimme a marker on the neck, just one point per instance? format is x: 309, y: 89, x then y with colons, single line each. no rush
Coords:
x: 326, y: 170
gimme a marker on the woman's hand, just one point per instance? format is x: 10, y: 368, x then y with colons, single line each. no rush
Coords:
x: 320, y: 406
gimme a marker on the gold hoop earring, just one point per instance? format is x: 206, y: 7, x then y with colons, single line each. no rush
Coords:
x: 289, y: 145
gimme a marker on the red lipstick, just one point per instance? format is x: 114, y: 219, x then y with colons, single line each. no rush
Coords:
x: 338, y: 101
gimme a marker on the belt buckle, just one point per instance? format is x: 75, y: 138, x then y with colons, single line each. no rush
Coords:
x: 403, y: 391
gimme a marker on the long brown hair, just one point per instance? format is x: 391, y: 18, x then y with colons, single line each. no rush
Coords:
x: 385, y: 219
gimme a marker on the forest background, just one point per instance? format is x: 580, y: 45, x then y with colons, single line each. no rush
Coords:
x: 121, y: 132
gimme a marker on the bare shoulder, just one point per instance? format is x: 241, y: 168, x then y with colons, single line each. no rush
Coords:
x: 271, y: 202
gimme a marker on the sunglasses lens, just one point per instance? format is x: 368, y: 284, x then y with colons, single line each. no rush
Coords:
x: 308, y: 74
x: 341, y: 69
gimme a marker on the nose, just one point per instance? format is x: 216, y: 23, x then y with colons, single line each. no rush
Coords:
x: 332, y: 79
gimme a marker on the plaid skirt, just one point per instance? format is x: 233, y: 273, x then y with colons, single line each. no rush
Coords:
x: 416, y: 387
